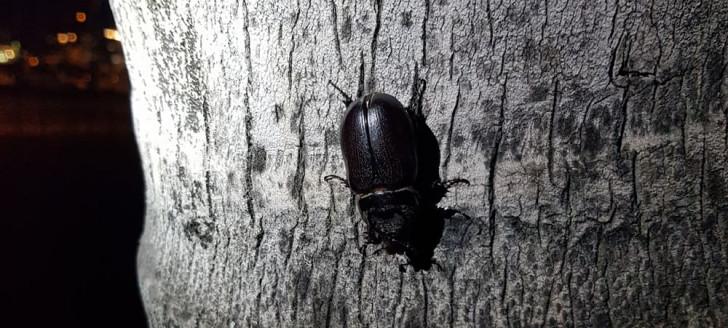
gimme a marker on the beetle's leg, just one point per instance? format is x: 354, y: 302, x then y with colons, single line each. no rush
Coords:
x: 403, y: 267
x: 449, y: 183
x: 448, y: 213
x: 347, y: 98
x: 330, y: 177
x: 439, y: 267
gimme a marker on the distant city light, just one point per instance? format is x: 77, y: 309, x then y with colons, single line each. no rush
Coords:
x: 111, y: 34
x: 80, y: 16
x: 117, y: 59
x: 62, y: 38
x: 33, y: 61
x: 72, y: 37
x: 9, y: 53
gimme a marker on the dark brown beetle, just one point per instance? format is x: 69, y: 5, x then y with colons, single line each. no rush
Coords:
x: 392, y: 160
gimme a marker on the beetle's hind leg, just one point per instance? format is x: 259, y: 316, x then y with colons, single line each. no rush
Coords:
x: 331, y: 177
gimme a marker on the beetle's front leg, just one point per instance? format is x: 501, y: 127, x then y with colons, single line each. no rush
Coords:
x: 331, y: 177
x: 449, y: 183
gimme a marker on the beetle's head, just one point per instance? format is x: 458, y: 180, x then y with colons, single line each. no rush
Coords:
x: 391, y: 213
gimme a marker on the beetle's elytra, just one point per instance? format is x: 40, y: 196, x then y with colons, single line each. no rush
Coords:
x: 392, y: 160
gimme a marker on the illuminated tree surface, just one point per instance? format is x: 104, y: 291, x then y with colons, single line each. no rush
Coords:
x: 594, y: 134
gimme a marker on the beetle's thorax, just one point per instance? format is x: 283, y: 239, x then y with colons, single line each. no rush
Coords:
x: 381, y: 198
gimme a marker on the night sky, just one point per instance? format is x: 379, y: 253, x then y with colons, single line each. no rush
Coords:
x: 32, y: 21
x: 72, y: 191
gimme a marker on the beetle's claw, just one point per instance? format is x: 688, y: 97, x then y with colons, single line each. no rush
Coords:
x: 331, y: 177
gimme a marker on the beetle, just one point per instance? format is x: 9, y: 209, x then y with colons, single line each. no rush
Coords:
x: 392, y: 161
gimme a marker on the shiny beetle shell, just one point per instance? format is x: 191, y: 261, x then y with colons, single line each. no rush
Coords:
x: 379, y: 144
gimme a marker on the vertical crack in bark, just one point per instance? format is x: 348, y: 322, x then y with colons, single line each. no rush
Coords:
x: 448, y: 148
x: 249, y: 135
x: 539, y: 214
x: 609, y: 292
x: 424, y: 33
x: 208, y: 187
x: 298, y: 179
x: 361, y: 87
x: 258, y: 296
x: 504, y: 289
x: 552, y: 122
x: 546, y: 20
x: 399, y: 299
x: 706, y: 258
x: 614, y: 19
x: 300, y: 174
x: 248, y: 117
x: 623, y: 122
x: 335, y: 27
x: 492, y: 167
x: 612, y: 204
x: 571, y: 297
x: 490, y: 25
x: 635, y: 190
x: 333, y: 285
x: 426, y: 301
x: 375, y: 36
x: 293, y: 45
x: 547, y: 303
x: 452, y: 296
x: 359, y: 284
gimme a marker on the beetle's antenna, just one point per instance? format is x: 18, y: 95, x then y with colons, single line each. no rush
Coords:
x: 347, y: 98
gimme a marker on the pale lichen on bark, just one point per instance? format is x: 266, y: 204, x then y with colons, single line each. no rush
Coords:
x: 595, y: 136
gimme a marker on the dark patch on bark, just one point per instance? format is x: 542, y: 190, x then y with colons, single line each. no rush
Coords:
x: 406, y: 18
x: 259, y: 158
x: 346, y: 26
x: 539, y: 93
x: 200, y: 229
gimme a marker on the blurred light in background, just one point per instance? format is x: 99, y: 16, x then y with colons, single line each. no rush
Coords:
x: 111, y: 34
x: 62, y: 38
x: 33, y: 61
x: 80, y: 16
x: 65, y: 46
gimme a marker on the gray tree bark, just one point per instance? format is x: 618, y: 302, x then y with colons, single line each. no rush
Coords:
x: 595, y: 135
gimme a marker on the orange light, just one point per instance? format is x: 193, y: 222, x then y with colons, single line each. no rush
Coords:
x: 80, y: 16
x: 33, y: 61
x: 62, y: 38
x: 72, y: 37
x: 111, y: 34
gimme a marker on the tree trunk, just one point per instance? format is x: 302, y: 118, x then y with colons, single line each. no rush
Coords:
x: 594, y: 134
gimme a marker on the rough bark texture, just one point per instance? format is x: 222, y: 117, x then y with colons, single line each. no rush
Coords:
x: 594, y: 134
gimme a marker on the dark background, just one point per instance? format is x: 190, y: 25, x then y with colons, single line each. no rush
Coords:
x: 72, y: 195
